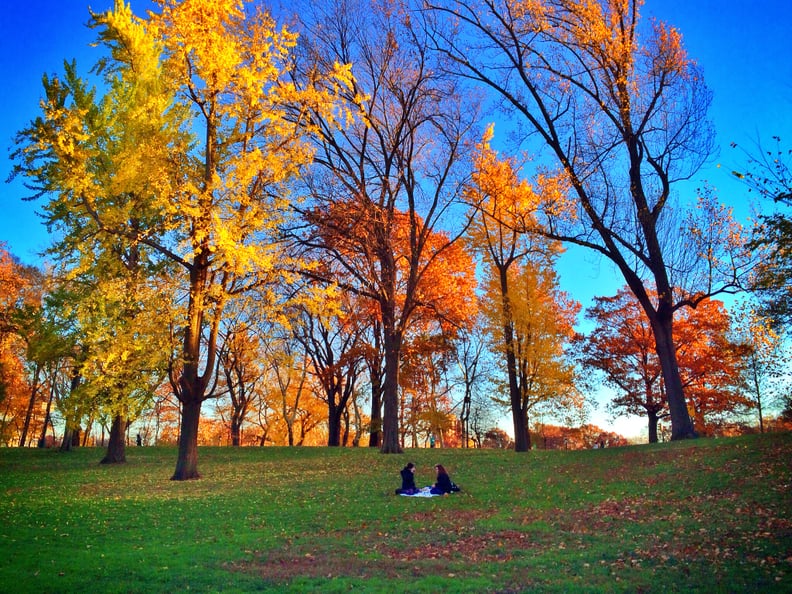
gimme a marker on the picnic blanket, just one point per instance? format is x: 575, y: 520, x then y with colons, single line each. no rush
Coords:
x: 425, y: 492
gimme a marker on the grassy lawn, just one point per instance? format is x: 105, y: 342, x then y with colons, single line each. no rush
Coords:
x: 711, y: 515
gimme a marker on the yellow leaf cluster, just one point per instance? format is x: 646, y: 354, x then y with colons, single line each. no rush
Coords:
x: 232, y: 63
x: 541, y: 319
x: 531, y: 12
x: 497, y: 190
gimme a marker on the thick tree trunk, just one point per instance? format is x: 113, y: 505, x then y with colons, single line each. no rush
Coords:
x: 375, y: 427
x: 116, y: 446
x: 681, y: 425
x: 521, y: 440
x: 69, y: 434
x: 191, y: 384
x: 187, y: 462
x: 345, y: 428
x: 375, y: 375
x: 390, y: 396
x: 236, y: 430
x: 338, y: 409
x: 519, y: 417
x: 290, y: 432
x: 334, y: 417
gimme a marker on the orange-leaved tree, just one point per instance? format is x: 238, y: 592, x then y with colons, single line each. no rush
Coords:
x: 20, y: 308
x: 711, y: 363
x: 621, y: 346
x: 333, y: 339
x: 430, y: 293
x: 242, y: 367
x: 398, y: 167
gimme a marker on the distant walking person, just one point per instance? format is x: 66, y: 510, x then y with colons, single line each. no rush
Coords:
x: 139, y: 440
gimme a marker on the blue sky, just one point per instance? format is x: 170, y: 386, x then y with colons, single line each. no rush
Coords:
x: 744, y: 51
x: 36, y: 36
x: 743, y: 48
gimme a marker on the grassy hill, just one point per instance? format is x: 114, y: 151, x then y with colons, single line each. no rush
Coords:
x: 711, y: 515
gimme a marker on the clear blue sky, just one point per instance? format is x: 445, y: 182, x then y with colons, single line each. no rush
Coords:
x: 743, y: 48
x: 745, y: 51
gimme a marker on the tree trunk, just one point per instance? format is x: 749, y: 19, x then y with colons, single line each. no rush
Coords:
x: 69, y: 434
x: 191, y: 384
x: 290, y: 431
x: 187, y: 462
x: 87, y: 433
x: 758, y: 391
x: 521, y: 443
x: 375, y: 376
x: 116, y: 446
x: 761, y: 417
x: 375, y: 427
x: 390, y: 396
x: 681, y: 425
x: 345, y: 428
x: 464, y: 415
x: 334, y: 417
x: 6, y: 440
x: 42, y: 442
x: 356, y: 412
x: 652, y: 426
x: 519, y: 417
x: 236, y: 429
x: 31, y: 405
x: 527, y: 432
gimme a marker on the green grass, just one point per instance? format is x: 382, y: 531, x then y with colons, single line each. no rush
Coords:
x: 710, y: 515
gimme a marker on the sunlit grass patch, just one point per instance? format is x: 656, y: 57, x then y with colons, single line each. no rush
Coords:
x: 647, y: 518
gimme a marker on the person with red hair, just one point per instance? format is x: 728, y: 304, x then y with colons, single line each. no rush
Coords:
x: 443, y: 484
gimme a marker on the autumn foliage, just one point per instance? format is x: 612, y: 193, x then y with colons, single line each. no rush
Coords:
x: 621, y: 347
x: 269, y: 234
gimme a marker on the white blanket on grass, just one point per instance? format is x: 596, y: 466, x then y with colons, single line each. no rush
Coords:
x: 425, y: 492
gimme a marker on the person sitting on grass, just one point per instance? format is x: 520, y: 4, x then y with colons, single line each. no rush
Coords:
x: 408, y: 480
x: 443, y: 484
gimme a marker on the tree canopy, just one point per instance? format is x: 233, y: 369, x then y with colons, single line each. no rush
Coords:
x: 310, y: 225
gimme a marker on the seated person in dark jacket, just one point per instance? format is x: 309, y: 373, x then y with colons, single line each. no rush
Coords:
x: 408, y: 480
x: 443, y: 483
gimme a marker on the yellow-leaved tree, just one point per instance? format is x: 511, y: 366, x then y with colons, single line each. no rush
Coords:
x: 529, y: 319
x: 210, y: 184
x: 541, y: 321
x: 765, y: 362
x: 100, y: 162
